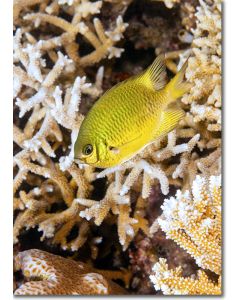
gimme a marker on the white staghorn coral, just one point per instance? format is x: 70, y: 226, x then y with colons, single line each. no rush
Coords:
x: 204, y: 68
x: 64, y: 59
x: 194, y: 223
x: 117, y: 34
x: 53, y: 105
x: 171, y: 282
x: 169, y: 3
x: 102, y: 40
x: 86, y: 7
x: 56, y: 105
x: 142, y: 173
x: 35, y: 84
x: 151, y: 170
x: 203, y: 103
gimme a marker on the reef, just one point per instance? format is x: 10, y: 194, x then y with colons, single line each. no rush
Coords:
x: 194, y: 223
x: 61, y: 276
x: 66, y: 54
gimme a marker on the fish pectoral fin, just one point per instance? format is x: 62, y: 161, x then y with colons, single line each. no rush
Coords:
x: 114, y: 150
x: 169, y: 120
x: 119, y: 148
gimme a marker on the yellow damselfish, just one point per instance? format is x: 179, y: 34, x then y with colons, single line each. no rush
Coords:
x: 131, y: 115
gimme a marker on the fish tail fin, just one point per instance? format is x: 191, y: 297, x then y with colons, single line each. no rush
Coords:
x: 172, y: 112
x: 177, y: 86
x: 155, y: 76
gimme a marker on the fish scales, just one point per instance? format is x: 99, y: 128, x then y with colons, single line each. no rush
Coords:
x: 132, y: 109
x: 129, y: 116
x: 123, y: 118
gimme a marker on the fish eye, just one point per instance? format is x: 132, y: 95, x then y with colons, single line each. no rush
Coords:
x: 88, y: 149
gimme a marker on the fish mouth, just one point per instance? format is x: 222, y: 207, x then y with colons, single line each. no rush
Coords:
x: 83, y: 162
x: 78, y: 160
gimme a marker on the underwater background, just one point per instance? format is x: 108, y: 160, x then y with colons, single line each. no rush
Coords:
x: 152, y: 225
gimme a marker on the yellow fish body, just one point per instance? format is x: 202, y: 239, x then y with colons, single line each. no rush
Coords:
x: 129, y: 116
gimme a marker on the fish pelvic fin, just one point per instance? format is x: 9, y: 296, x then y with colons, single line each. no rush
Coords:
x: 168, y: 121
x: 177, y: 86
x: 155, y: 76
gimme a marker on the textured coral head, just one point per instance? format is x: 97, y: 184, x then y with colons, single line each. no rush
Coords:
x: 60, y: 276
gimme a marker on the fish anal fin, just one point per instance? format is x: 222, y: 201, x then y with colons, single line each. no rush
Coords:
x: 169, y: 120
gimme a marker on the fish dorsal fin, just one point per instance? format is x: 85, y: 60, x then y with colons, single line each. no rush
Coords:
x: 155, y: 77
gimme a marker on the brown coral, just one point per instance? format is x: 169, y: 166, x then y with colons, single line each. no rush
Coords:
x: 60, y: 276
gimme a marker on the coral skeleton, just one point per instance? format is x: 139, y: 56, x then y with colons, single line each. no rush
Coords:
x: 54, y: 105
x: 169, y: 3
x: 117, y: 198
x: 61, y: 276
x: 103, y: 41
x: 171, y: 282
x: 204, y: 71
x: 66, y: 54
x: 194, y: 223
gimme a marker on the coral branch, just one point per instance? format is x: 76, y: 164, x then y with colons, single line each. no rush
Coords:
x: 171, y: 282
x: 194, y: 223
